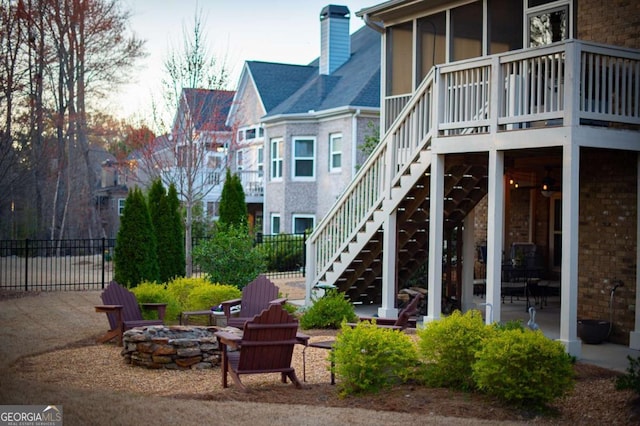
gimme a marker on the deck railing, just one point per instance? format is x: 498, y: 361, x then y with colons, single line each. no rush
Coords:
x: 567, y: 83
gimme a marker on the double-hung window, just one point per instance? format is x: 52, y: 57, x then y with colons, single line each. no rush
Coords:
x: 275, y: 223
x: 335, y: 152
x: 276, y: 159
x: 304, y: 152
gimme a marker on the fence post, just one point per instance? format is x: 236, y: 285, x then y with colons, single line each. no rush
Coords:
x: 26, y: 265
x: 102, y: 250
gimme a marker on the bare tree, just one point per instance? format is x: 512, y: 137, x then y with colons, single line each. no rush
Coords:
x: 72, y: 52
x: 194, y: 87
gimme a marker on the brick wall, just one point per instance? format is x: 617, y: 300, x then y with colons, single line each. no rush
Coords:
x: 607, y: 237
x: 614, y: 22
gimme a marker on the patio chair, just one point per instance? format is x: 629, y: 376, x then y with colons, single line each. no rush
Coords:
x: 404, y: 319
x: 256, y: 296
x: 124, y: 313
x: 266, y: 346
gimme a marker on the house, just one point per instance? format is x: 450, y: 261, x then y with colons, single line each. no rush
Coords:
x: 504, y: 124
x: 299, y: 127
x: 200, y: 139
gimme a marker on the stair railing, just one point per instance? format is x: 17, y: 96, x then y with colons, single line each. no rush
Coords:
x: 399, y: 147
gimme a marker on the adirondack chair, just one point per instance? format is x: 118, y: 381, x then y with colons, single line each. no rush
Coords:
x: 124, y: 313
x: 404, y: 319
x: 266, y: 346
x: 256, y: 296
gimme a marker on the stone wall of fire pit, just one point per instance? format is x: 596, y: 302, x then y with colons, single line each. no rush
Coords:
x: 171, y: 347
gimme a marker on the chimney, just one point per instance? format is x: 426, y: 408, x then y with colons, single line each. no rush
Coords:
x: 335, y: 42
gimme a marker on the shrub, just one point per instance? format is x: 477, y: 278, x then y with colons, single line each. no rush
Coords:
x: 630, y: 380
x: 523, y: 367
x: 180, y: 288
x: 328, y: 311
x: 229, y: 257
x: 150, y: 292
x: 135, y: 251
x: 448, y: 347
x: 207, y: 295
x: 368, y: 358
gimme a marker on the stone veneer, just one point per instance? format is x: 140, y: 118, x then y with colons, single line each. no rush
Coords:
x: 171, y: 347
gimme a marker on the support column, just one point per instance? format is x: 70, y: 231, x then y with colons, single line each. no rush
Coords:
x: 569, y: 274
x: 495, y: 232
x: 436, y: 224
x: 389, y: 262
x: 468, y: 261
x: 634, y: 336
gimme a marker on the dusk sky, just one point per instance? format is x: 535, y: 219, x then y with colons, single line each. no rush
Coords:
x: 286, y: 31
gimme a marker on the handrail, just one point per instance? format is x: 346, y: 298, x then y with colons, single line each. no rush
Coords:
x: 365, y: 193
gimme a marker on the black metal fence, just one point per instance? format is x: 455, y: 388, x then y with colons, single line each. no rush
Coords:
x: 86, y: 264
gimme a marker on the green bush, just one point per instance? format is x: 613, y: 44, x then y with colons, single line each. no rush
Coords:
x: 368, y: 358
x: 229, y: 257
x: 180, y: 288
x: 150, y: 292
x: 630, y: 380
x: 524, y: 368
x: 205, y: 296
x: 448, y: 347
x: 328, y: 311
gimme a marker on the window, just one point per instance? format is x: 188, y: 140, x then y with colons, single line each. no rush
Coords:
x: 275, y: 223
x: 251, y: 134
x: 548, y: 23
x: 260, y: 154
x: 304, y: 157
x: 121, y: 202
x: 212, y: 209
x: 276, y: 158
x: 335, y: 152
x: 302, y: 223
x: 240, y: 160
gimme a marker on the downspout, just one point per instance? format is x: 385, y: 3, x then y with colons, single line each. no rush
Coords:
x: 369, y: 23
x: 354, y: 143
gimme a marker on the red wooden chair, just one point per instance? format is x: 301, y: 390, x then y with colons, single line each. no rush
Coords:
x: 256, y: 296
x: 266, y: 346
x: 123, y: 311
x: 404, y: 319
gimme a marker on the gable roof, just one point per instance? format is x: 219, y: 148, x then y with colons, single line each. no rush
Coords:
x: 294, y: 89
x: 208, y: 108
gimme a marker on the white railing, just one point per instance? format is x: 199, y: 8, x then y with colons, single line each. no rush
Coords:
x: 596, y: 82
x: 399, y: 147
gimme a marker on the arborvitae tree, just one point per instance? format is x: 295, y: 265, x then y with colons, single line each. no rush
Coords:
x: 233, y: 208
x: 135, y: 251
x: 162, y: 227
x: 175, y: 248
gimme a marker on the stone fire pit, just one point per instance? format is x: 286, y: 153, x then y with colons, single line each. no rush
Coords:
x: 171, y: 347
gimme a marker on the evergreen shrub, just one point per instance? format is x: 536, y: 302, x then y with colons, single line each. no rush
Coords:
x: 524, y: 368
x: 448, y: 347
x: 368, y: 358
x: 151, y: 292
x: 328, y: 311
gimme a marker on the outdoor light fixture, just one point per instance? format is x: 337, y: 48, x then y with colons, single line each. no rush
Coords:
x: 547, y: 185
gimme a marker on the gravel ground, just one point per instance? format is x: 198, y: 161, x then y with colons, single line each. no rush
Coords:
x: 47, y: 340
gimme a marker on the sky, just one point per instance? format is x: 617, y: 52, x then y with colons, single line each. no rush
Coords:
x: 283, y: 31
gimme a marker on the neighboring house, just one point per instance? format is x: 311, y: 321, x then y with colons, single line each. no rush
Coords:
x: 299, y: 127
x: 200, y: 138
x: 526, y: 130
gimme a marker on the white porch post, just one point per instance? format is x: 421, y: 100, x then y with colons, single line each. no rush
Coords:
x: 468, y: 261
x: 436, y: 223
x: 634, y: 336
x: 389, y: 253
x: 495, y: 230
x: 569, y: 274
